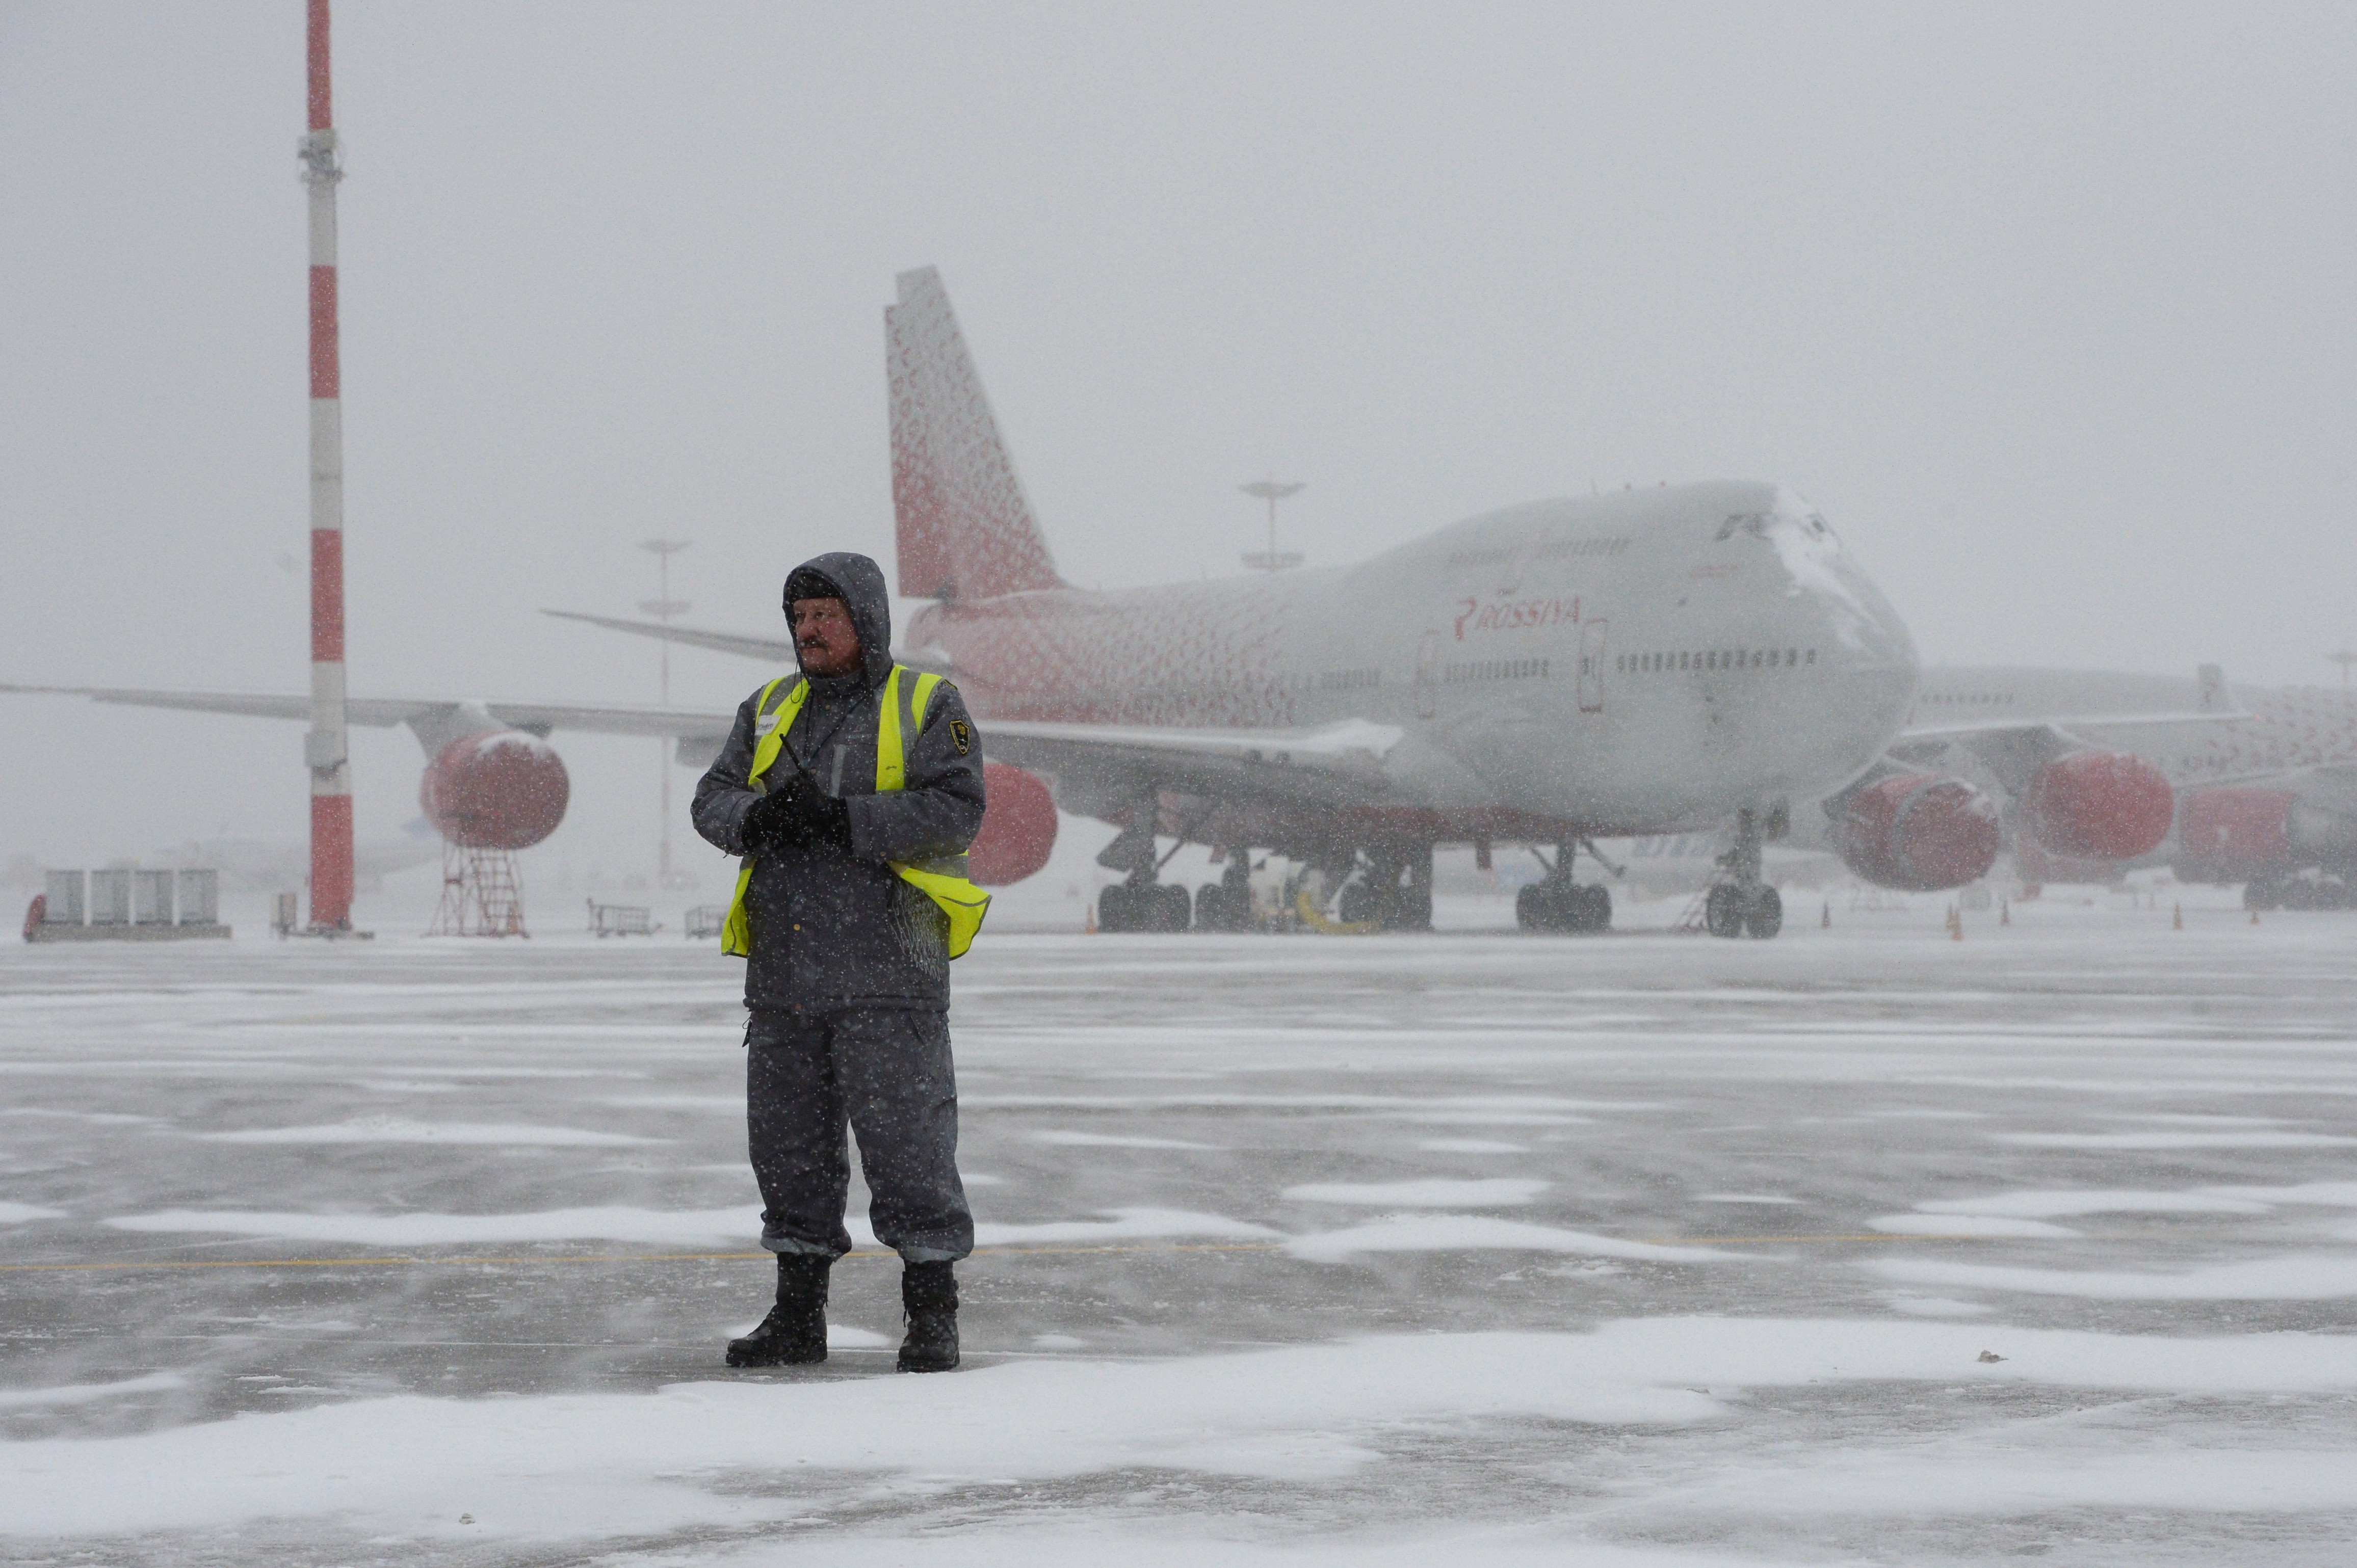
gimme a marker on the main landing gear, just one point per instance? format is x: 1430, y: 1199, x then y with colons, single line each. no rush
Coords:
x: 1140, y: 902
x: 1558, y: 903
x: 1226, y: 905
x: 1142, y: 906
x: 1740, y: 904
x: 1387, y: 888
x: 2293, y: 891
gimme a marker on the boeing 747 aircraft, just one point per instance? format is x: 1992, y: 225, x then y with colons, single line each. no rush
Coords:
x: 1650, y: 661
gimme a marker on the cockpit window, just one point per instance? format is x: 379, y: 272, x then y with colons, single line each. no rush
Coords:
x: 1793, y: 508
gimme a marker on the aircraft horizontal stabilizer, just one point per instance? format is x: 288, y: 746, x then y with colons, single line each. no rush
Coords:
x: 773, y: 649
x: 538, y: 718
x: 770, y: 651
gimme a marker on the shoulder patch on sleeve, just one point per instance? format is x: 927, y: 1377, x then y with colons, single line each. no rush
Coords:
x: 962, y: 735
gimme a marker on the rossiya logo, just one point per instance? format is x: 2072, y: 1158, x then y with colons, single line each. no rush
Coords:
x: 1513, y: 614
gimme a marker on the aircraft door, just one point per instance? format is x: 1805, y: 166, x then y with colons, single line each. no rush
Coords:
x: 1427, y: 675
x: 1591, y: 666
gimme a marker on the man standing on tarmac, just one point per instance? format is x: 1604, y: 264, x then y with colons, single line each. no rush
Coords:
x: 852, y: 791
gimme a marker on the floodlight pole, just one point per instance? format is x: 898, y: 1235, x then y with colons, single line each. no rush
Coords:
x: 662, y: 607
x: 2345, y: 658
x: 1271, y: 491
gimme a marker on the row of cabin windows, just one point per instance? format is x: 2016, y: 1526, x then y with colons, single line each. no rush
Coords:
x: 1715, y: 658
x: 1498, y: 669
x: 1346, y: 680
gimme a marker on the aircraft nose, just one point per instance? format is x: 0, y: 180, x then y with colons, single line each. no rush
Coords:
x: 1872, y: 654
x: 1859, y: 635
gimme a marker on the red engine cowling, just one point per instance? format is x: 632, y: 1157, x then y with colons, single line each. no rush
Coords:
x: 1918, y: 832
x: 2099, y: 805
x: 1019, y: 829
x: 2233, y: 835
x: 500, y: 789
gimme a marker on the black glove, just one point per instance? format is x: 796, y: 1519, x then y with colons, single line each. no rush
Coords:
x: 819, y: 818
x: 768, y: 823
x: 797, y: 813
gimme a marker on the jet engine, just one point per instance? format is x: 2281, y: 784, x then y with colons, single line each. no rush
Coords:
x: 2235, y: 835
x: 2099, y: 805
x: 498, y: 789
x: 1019, y: 829
x: 2231, y: 835
x: 1918, y: 832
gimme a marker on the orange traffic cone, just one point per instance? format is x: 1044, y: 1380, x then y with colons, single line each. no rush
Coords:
x: 2254, y: 917
x: 1826, y: 920
x: 1955, y: 924
x: 2177, y: 923
x: 2005, y: 911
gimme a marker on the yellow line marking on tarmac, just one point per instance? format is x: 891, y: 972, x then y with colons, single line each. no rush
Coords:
x: 748, y: 1257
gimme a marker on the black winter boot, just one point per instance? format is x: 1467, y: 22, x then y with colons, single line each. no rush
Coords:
x: 795, y: 1331
x: 929, y: 1301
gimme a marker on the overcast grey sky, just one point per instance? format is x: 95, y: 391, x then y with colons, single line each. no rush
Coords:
x: 2051, y: 309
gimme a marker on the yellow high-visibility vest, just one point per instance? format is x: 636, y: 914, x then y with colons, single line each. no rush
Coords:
x: 942, y: 879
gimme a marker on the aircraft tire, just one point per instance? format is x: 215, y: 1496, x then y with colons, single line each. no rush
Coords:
x: 1594, y: 906
x: 1722, y: 911
x: 1216, y: 909
x: 1548, y: 907
x: 1410, y: 911
x: 1113, y: 907
x: 1357, y: 904
x: 2263, y: 893
x: 1766, y: 915
x: 1168, y: 908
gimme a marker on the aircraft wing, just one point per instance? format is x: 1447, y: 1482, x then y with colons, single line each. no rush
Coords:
x: 539, y: 718
x: 1354, y: 759
x: 2016, y: 751
x: 1351, y: 757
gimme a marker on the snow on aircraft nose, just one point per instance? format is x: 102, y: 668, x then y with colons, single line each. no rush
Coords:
x: 1861, y: 636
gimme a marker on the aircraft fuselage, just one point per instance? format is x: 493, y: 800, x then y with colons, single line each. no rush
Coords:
x: 1642, y: 661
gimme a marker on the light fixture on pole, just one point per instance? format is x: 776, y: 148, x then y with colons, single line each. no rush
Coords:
x: 662, y: 607
x: 1271, y: 491
x: 2345, y: 658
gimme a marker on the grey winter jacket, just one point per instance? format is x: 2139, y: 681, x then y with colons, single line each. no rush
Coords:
x: 834, y: 930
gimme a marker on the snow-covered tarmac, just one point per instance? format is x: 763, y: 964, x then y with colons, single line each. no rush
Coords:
x: 1862, y: 1245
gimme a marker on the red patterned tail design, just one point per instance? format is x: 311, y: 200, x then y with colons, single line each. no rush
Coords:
x: 965, y: 529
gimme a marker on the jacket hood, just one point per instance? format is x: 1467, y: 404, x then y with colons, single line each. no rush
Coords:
x: 861, y: 581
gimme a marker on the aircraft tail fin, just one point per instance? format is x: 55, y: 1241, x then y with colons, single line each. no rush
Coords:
x: 965, y: 527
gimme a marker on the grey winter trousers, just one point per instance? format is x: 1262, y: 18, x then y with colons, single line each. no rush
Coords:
x: 887, y: 1073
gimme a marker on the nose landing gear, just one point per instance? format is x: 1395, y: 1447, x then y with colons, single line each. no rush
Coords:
x: 1729, y: 913
x: 1740, y: 903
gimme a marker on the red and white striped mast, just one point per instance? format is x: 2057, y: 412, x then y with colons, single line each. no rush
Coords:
x: 327, y: 747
